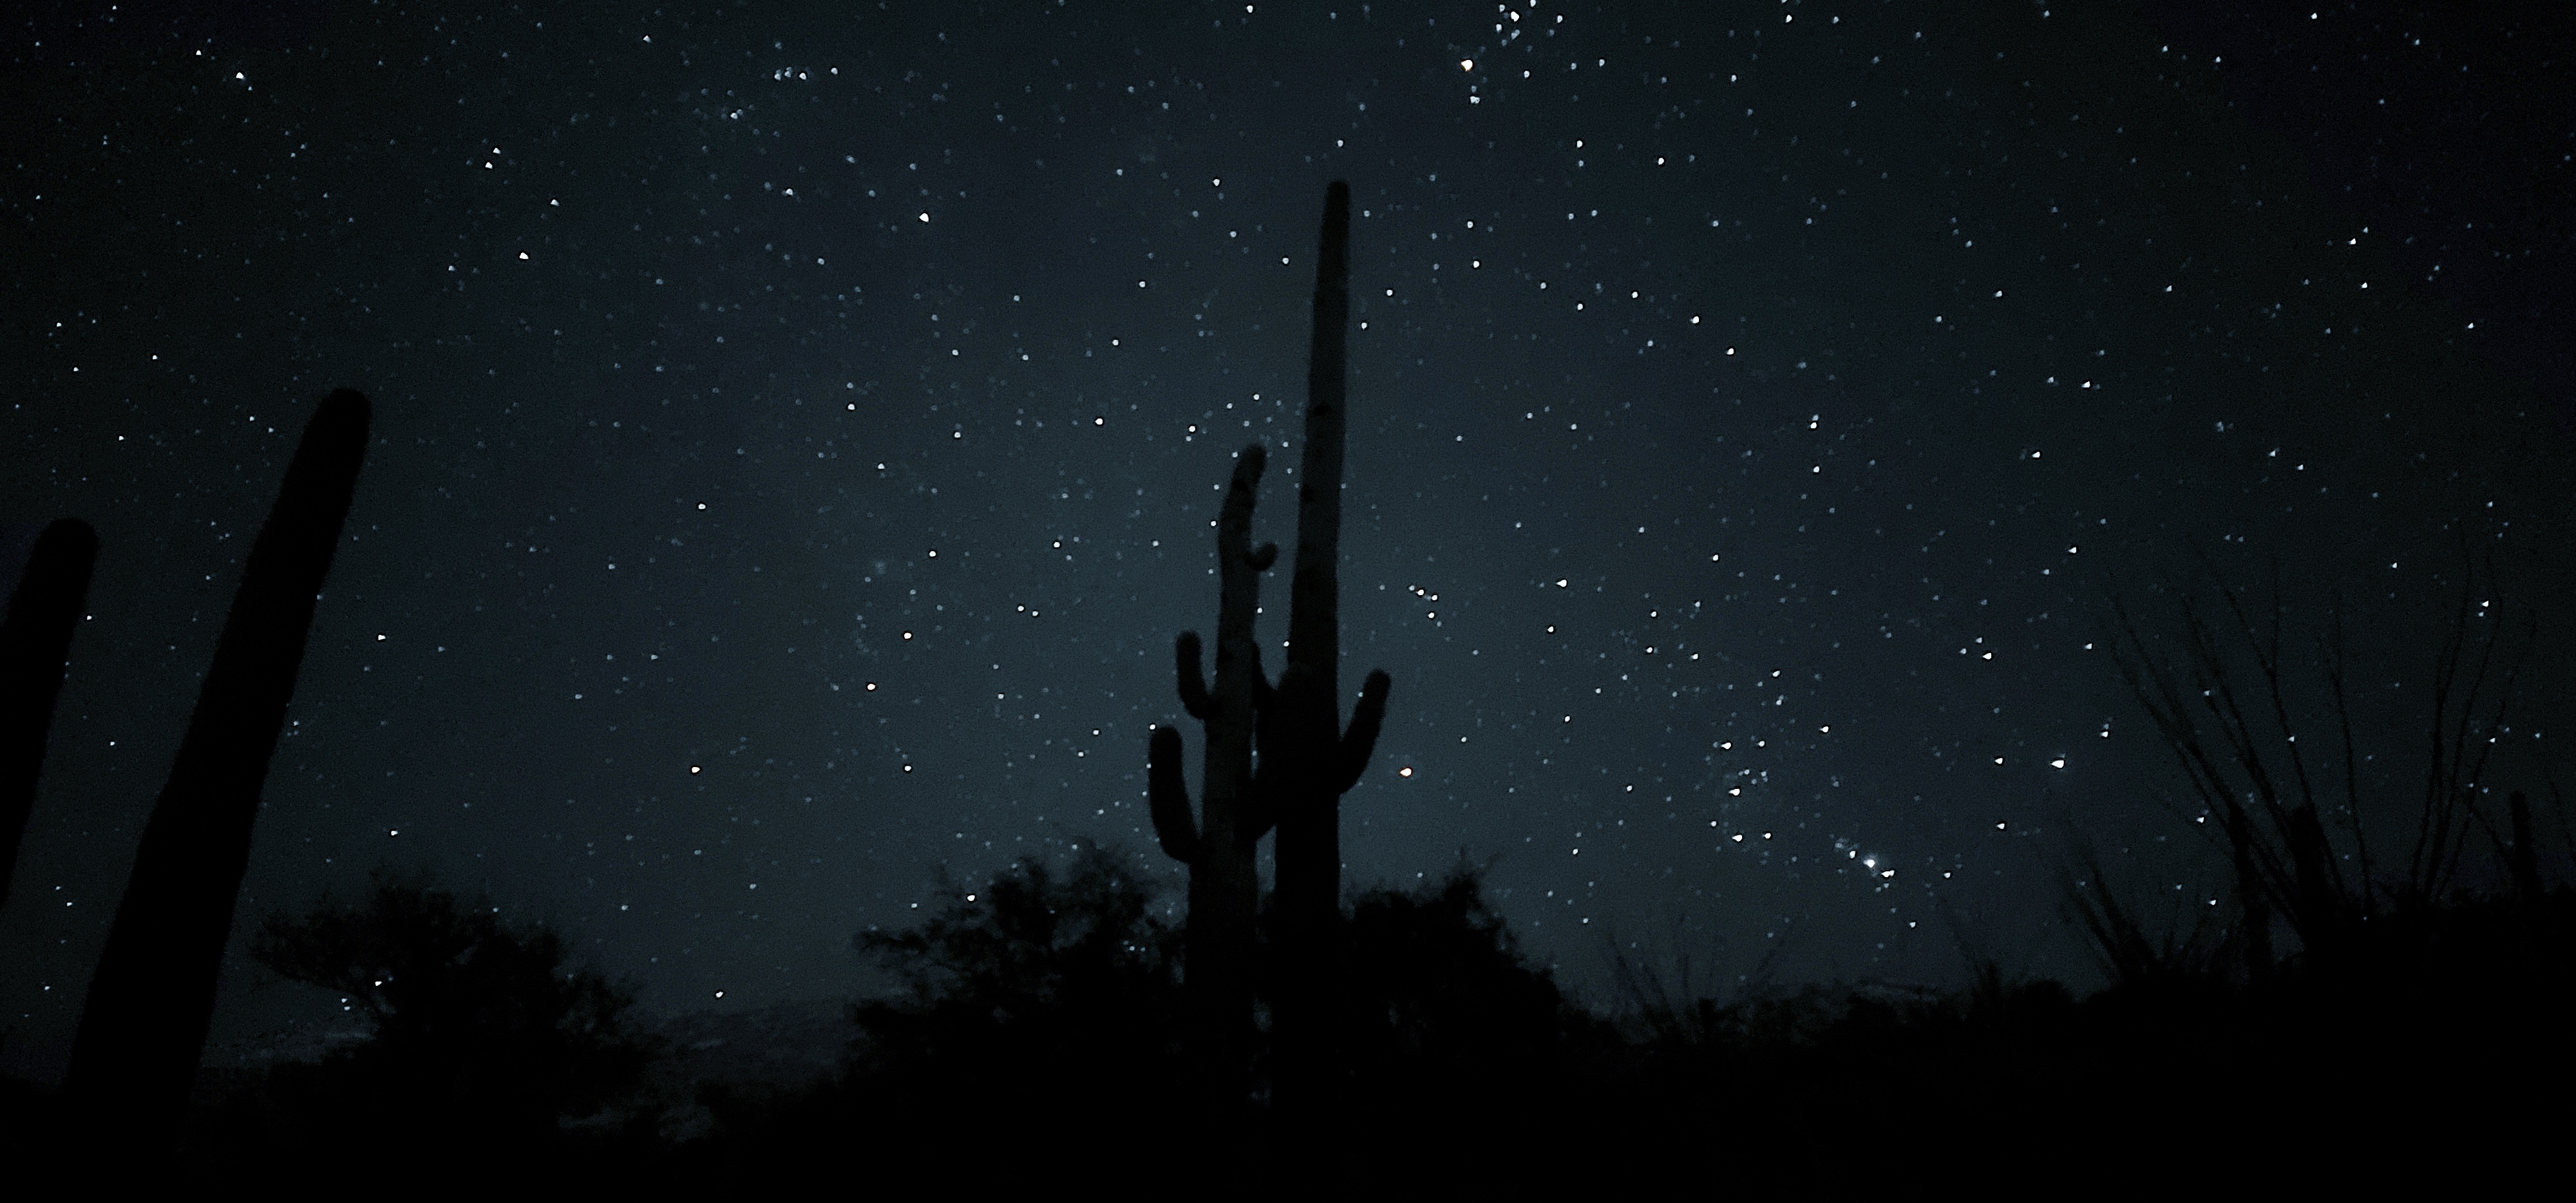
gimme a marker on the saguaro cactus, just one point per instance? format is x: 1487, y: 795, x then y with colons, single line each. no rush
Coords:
x: 143, y: 1028
x: 1225, y: 891
x: 1308, y: 761
x: 33, y: 643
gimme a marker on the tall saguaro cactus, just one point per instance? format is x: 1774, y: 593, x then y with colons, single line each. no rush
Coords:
x: 1225, y: 891
x: 33, y: 644
x: 1308, y: 761
x: 143, y: 1028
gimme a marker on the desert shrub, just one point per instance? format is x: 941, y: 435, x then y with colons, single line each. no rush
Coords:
x: 476, y: 1031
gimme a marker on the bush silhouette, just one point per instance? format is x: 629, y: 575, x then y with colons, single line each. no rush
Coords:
x: 476, y: 1030
x: 1036, y: 988
x: 1439, y: 1003
x: 1049, y: 995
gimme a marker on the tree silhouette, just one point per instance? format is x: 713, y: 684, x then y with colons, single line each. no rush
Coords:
x: 1439, y: 1002
x: 1034, y: 991
x: 2310, y: 841
x: 1050, y: 999
x: 475, y: 1028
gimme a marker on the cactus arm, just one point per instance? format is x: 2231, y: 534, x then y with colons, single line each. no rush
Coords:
x: 1194, y: 690
x: 1234, y: 516
x: 1264, y: 556
x: 1168, y: 794
x: 1361, y: 739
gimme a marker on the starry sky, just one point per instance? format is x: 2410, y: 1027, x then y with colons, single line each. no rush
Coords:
x: 799, y: 429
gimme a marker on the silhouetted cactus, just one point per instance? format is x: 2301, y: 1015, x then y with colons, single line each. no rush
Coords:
x: 1225, y: 892
x: 1308, y: 761
x: 143, y: 1028
x: 33, y: 644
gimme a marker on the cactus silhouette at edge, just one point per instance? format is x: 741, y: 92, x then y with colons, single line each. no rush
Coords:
x: 143, y: 1027
x: 33, y: 644
x: 1308, y: 761
x: 1225, y: 891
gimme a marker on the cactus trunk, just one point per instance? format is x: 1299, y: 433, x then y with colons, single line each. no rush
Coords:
x: 1307, y: 760
x: 143, y: 1028
x: 1218, y: 844
x: 33, y: 643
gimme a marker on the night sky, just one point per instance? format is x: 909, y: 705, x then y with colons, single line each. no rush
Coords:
x: 798, y: 433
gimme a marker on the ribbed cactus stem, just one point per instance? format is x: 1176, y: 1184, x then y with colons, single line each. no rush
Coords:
x: 1218, y: 846
x: 143, y: 1027
x: 1314, y: 619
x: 1298, y: 758
x: 34, y: 642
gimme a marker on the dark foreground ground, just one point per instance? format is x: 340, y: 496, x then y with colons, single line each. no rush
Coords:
x: 2439, y: 1043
